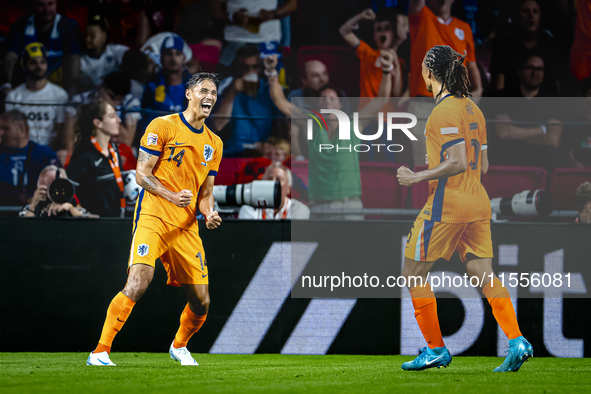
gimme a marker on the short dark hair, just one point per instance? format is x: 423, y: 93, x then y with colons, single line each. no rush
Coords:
x: 528, y: 55
x: 118, y: 82
x: 247, y: 50
x: 201, y: 76
x: 582, y: 196
x: 388, y: 15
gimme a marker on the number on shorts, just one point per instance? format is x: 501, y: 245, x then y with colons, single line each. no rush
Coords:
x: 201, y: 261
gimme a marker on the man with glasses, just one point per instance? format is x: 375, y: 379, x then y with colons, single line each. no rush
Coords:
x: 245, y: 94
x: 536, y: 142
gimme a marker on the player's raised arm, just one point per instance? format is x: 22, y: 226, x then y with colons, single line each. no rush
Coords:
x: 144, y: 177
x: 206, y: 204
x: 456, y: 163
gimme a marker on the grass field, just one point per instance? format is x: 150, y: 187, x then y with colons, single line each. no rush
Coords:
x: 149, y: 373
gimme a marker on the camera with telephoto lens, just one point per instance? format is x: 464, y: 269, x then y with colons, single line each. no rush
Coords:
x: 61, y: 190
x: 529, y: 203
x: 257, y: 194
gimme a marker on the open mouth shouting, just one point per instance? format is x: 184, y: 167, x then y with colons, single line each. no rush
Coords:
x: 206, y: 107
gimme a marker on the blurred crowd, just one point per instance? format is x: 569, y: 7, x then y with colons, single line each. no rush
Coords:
x: 81, y: 80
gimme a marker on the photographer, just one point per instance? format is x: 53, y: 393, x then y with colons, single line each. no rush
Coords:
x: 95, y: 164
x: 290, y: 208
x: 42, y: 205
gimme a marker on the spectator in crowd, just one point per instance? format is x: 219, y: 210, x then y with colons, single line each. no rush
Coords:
x: 313, y: 76
x: 46, y: 122
x: 276, y: 149
x: 575, y: 143
x: 115, y: 90
x: 99, y: 58
x: 167, y: 92
x: 431, y: 24
x: 583, y: 203
x: 41, y: 204
x: 139, y: 68
x: 153, y: 48
x: 251, y: 22
x: 57, y: 33
x: 390, y: 30
x: 580, y: 53
x: 290, y: 208
x: 533, y: 144
x: 526, y: 36
x: 21, y: 160
x: 531, y: 78
x: 96, y: 164
x: 245, y: 94
x: 334, y: 182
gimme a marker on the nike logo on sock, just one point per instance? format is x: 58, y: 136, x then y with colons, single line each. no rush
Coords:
x: 203, y: 276
x: 432, y: 361
x: 122, y: 321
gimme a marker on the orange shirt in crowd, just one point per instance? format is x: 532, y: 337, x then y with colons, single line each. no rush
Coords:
x: 580, y: 55
x: 428, y: 30
x: 370, y: 75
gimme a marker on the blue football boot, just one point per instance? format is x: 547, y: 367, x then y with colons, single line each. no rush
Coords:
x: 519, y: 351
x: 429, y: 358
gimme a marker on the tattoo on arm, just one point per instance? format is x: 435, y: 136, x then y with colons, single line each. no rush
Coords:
x: 149, y: 183
x: 143, y: 157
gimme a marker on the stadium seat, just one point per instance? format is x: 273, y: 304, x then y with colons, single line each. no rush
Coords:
x: 564, y: 183
x: 506, y: 181
x: 380, y: 187
x: 228, y: 170
x: 208, y: 55
x: 500, y: 181
x: 335, y: 59
x: 299, y: 172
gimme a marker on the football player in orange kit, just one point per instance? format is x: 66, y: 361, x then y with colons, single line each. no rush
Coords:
x: 457, y: 214
x: 178, y: 160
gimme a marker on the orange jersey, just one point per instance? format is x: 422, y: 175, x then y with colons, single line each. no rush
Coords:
x: 186, y: 157
x: 427, y: 31
x: 460, y: 198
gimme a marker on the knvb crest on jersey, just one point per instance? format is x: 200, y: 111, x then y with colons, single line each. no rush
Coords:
x: 207, y: 152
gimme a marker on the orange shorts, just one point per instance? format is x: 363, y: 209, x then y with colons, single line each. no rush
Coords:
x: 429, y: 241
x: 180, y: 251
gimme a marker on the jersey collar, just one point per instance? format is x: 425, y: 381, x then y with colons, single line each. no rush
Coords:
x: 443, y: 98
x: 193, y: 129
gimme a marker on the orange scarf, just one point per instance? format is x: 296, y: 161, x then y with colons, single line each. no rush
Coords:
x: 114, y: 163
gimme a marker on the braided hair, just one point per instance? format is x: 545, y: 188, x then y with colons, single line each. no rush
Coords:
x: 448, y: 68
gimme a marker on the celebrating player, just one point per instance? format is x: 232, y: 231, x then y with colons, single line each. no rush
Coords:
x: 178, y: 156
x: 457, y: 214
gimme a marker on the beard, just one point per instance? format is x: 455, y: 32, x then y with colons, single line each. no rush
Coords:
x: 530, y: 87
x: 36, y: 76
x: 430, y: 88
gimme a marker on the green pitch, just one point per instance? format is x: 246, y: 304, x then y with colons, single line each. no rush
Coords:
x: 150, y: 373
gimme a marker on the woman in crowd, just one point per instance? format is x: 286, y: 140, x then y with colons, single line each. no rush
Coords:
x: 95, y: 163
